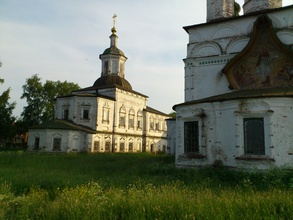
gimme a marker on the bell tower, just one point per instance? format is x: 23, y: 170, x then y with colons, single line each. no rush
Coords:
x: 258, y: 5
x: 219, y: 9
x: 113, y: 59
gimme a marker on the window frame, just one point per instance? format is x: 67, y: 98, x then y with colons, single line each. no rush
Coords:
x: 258, y: 136
x: 57, y: 143
x: 131, y: 116
x: 122, y: 117
x: 96, y: 146
x: 66, y: 114
x: 37, y: 143
x: 188, y: 148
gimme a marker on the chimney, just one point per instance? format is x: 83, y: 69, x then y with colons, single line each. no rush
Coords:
x: 219, y: 9
x: 258, y: 5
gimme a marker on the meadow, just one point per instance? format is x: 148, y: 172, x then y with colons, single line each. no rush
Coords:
x: 136, y: 186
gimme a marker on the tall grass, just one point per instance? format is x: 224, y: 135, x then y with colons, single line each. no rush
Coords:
x: 136, y: 186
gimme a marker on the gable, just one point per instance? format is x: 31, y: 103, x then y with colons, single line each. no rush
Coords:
x: 265, y: 62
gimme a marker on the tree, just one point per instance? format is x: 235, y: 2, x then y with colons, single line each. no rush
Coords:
x: 172, y: 114
x: 41, y: 99
x: 6, y: 115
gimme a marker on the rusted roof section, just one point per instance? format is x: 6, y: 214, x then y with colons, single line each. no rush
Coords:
x: 244, y: 94
x: 152, y: 110
x: 63, y: 125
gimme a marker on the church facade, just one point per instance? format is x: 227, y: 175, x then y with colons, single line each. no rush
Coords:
x: 108, y: 116
x: 238, y: 107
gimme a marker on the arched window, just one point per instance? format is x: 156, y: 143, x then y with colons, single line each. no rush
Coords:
x: 122, y: 116
x: 139, y: 119
x: 106, y: 111
x: 151, y: 123
x: 122, y: 145
x: 106, y: 68
x: 131, y: 119
x: 130, y: 145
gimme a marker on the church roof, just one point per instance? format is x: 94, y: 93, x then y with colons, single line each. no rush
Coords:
x: 245, y: 94
x: 63, y: 125
x: 113, y: 50
x: 84, y: 93
x: 112, y: 81
x: 152, y: 110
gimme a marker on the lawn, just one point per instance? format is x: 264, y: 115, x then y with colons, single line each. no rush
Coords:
x: 136, y: 186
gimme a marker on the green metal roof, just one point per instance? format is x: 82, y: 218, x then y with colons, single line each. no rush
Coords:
x: 245, y: 94
x: 63, y: 125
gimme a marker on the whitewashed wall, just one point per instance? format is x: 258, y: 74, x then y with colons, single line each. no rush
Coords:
x: 212, y: 46
x: 221, y: 137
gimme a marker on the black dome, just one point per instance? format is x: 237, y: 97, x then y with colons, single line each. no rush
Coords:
x: 112, y: 81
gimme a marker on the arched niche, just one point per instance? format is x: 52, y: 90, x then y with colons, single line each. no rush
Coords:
x: 224, y: 30
x: 206, y: 49
x: 237, y: 45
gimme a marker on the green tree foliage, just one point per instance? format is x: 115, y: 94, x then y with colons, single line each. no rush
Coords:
x: 6, y: 115
x: 41, y: 98
x: 237, y: 9
x: 172, y: 114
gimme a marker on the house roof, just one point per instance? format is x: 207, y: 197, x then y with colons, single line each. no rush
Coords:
x: 63, y: 125
x: 244, y: 94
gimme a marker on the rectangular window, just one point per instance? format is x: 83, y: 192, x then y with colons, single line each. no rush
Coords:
x: 122, y: 121
x: 85, y: 114
x: 106, y: 67
x: 107, y: 146
x: 37, y: 143
x: 131, y: 123
x: 254, y: 143
x: 121, y: 147
x: 138, y: 124
x: 151, y: 125
x: 157, y: 126
x: 130, y: 147
x: 97, y: 146
x: 57, y: 144
x: 191, y: 137
x: 66, y: 113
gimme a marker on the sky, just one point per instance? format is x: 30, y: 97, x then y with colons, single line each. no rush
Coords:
x: 62, y: 40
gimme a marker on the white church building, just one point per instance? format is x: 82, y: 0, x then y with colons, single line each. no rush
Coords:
x: 238, y: 107
x: 108, y: 116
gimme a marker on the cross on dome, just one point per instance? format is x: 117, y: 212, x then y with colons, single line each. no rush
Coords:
x: 114, y: 24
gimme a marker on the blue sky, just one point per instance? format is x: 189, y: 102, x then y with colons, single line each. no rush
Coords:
x: 62, y: 40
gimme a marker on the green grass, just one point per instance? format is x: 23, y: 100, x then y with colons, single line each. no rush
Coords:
x: 136, y: 186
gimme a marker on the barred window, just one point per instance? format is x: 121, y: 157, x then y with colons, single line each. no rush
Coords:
x: 254, y: 142
x: 191, y: 137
